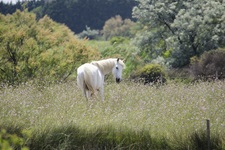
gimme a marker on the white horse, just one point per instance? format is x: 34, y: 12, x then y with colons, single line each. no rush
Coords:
x: 90, y: 76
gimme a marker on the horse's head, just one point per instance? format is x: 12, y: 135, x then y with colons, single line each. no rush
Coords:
x: 118, y: 69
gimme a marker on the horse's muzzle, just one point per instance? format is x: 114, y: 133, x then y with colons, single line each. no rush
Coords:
x: 118, y: 80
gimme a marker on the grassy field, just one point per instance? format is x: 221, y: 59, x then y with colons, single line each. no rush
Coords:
x: 133, y: 116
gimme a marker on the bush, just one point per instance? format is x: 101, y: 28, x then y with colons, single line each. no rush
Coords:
x: 118, y: 40
x: 116, y: 26
x: 13, y: 141
x: 180, y: 75
x: 150, y: 73
x: 38, y: 49
x: 89, y: 33
x: 210, y: 65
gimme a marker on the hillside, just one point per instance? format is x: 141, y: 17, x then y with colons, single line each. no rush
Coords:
x: 76, y: 14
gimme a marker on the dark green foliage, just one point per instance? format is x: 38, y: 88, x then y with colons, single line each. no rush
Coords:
x: 9, y: 8
x: 198, y: 141
x: 72, y: 137
x: 209, y: 65
x: 76, y: 14
x: 151, y: 73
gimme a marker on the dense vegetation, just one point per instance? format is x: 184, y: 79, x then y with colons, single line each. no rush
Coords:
x: 150, y: 74
x: 76, y: 14
x: 210, y: 64
x: 169, y: 31
x: 179, y: 30
x: 43, y: 49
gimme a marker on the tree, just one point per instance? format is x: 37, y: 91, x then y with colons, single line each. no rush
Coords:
x: 76, y: 14
x: 116, y: 26
x: 185, y: 28
x: 43, y: 49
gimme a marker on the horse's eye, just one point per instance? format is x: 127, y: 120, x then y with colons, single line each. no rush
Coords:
x: 117, y: 68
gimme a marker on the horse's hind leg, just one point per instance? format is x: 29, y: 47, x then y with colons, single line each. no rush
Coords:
x: 88, y: 94
x: 81, y: 84
x: 86, y: 91
x: 101, y: 90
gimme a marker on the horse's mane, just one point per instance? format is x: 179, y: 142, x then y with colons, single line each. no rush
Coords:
x: 106, y: 65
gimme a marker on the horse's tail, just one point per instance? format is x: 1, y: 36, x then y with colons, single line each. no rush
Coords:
x: 88, y: 83
x: 81, y: 83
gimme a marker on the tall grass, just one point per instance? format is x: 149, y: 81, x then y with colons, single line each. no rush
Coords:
x: 133, y: 116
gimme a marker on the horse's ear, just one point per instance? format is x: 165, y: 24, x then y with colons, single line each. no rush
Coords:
x: 118, y: 59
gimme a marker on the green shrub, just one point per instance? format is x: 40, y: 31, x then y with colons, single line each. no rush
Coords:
x: 10, y: 141
x: 209, y: 65
x: 150, y: 73
x: 118, y: 40
x: 38, y: 49
x: 89, y: 33
x: 116, y: 26
x: 180, y: 75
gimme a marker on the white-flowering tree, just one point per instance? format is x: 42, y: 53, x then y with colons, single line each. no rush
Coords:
x: 184, y: 28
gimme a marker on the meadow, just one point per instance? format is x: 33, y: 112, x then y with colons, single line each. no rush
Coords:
x: 133, y: 116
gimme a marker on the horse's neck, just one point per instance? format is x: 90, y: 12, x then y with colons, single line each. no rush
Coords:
x: 105, y: 66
